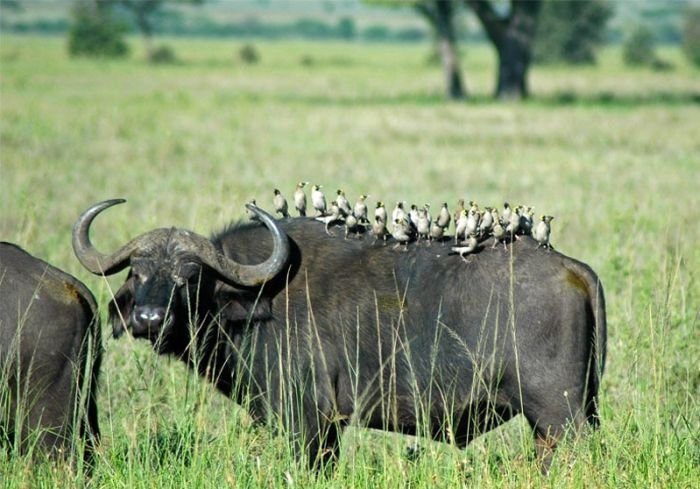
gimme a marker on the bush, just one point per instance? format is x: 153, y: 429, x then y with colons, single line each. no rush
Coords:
x: 162, y: 55
x: 410, y: 34
x: 661, y: 65
x: 94, y: 32
x: 346, y: 28
x: 376, y: 33
x: 691, y: 35
x: 571, y: 31
x: 248, y: 54
x: 307, y: 60
x: 638, y: 49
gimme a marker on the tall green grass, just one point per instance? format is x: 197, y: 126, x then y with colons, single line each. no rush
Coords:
x: 612, y: 153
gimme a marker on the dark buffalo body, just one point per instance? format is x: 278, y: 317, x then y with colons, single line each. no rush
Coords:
x: 416, y: 341
x: 50, y: 351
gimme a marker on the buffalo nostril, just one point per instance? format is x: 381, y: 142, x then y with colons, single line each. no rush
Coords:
x: 150, y: 316
x: 146, y: 317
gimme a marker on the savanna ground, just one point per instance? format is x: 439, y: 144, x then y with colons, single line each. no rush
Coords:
x: 614, y: 154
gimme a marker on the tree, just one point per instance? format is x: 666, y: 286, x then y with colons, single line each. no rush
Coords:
x: 6, y: 8
x: 638, y: 49
x: 570, y: 31
x: 95, y: 32
x: 691, y: 35
x: 143, y: 12
x: 10, y: 5
x: 440, y: 15
x: 346, y: 28
x: 512, y: 34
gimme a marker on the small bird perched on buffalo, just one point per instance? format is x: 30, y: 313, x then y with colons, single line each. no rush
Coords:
x: 486, y: 222
x: 513, y: 224
x: 436, y: 231
x: 423, y: 224
x: 333, y: 216
x: 472, y: 221
x: 280, y: 203
x: 413, y: 216
x: 461, y: 225
x: 444, y: 217
x: 360, y: 210
x: 505, y: 215
x: 398, y: 213
x: 499, y: 233
x: 469, y: 246
x: 542, y: 231
x: 351, y: 225
x: 300, y: 198
x: 401, y: 231
x: 379, y: 229
x: 318, y: 200
x: 526, y: 222
x: 458, y: 210
x: 343, y: 203
x: 426, y: 206
x: 380, y: 212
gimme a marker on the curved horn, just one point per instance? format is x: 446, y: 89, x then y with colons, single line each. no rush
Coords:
x: 251, y: 275
x: 87, y: 255
x: 228, y: 269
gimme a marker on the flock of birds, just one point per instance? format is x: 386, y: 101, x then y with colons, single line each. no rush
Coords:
x: 472, y: 224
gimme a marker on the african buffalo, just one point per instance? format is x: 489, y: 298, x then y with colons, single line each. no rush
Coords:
x: 317, y: 331
x: 50, y: 353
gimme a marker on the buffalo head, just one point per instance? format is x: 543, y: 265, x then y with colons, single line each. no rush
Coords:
x: 172, y: 272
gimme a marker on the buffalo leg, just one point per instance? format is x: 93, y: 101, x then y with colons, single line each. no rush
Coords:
x: 327, y: 450
x: 319, y: 441
x: 480, y: 419
x: 48, y: 416
x: 551, y: 421
x: 474, y: 421
x: 545, y: 443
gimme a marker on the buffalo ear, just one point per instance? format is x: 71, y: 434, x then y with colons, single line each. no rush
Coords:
x: 120, y: 307
x: 237, y: 305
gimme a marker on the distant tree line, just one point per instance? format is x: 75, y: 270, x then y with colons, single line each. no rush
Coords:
x: 345, y: 28
x: 520, y: 31
x: 171, y: 22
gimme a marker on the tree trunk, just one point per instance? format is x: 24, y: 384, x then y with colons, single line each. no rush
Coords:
x: 450, y: 66
x: 440, y: 15
x: 142, y: 10
x: 513, y: 62
x: 447, y: 37
x: 146, y: 33
x: 515, y: 50
x: 513, y: 37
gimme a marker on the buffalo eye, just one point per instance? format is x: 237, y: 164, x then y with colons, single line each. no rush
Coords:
x: 138, y: 271
x: 184, y: 272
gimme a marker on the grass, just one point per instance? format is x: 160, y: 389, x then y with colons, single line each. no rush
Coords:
x: 611, y: 152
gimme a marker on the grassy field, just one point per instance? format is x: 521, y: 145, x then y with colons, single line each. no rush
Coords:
x: 613, y: 153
